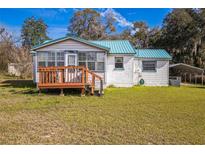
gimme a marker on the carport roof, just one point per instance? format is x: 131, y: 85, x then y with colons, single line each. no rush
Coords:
x: 187, y: 68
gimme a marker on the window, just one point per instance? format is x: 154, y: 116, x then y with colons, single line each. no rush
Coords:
x: 42, y: 59
x: 50, y: 59
x: 149, y: 65
x: 119, y: 62
x: 100, y: 66
x: 82, y: 56
x: 91, y: 66
x: 60, y: 59
x: 82, y: 59
x: 93, y: 60
x: 91, y: 56
x: 100, y: 62
x: 100, y: 57
x: 82, y: 64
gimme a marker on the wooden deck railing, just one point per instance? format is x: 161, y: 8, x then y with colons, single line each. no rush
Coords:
x: 62, y: 77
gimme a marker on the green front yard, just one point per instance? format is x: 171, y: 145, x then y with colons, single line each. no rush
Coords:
x: 138, y: 115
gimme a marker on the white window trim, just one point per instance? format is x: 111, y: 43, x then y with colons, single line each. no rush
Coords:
x: 46, y: 61
x: 118, y: 62
x: 86, y: 61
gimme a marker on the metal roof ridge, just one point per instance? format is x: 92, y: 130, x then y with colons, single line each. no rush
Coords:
x: 107, y: 40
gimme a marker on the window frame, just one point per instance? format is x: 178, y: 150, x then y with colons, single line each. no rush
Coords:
x: 96, y: 60
x: 60, y: 60
x: 51, y: 58
x: 146, y: 70
x: 121, y: 68
x: 47, y: 58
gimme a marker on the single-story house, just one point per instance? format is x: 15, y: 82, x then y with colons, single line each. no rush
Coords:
x: 117, y: 62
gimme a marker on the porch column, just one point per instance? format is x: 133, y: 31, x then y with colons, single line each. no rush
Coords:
x: 35, y: 66
x: 184, y: 77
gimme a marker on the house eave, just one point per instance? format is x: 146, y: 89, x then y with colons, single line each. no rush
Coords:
x: 153, y: 58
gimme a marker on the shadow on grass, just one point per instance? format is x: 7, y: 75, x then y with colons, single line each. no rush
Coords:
x: 48, y: 92
x: 198, y: 87
x: 56, y: 92
x: 18, y: 83
x: 32, y: 90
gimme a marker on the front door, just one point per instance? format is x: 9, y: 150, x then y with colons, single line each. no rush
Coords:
x: 71, y: 74
x: 72, y: 60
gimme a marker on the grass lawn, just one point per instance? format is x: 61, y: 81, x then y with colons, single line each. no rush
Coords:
x: 138, y: 115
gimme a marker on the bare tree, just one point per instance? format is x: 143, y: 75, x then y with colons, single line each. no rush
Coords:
x: 10, y: 52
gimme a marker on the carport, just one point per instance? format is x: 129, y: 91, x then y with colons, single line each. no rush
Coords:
x: 187, y: 73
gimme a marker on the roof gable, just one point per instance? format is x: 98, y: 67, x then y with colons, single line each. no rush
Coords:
x: 48, y: 43
x: 152, y: 54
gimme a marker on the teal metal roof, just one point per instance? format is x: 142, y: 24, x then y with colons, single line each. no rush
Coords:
x: 49, y: 42
x: 152, y: 53
x: 117, y: 46
x: 114, y: 47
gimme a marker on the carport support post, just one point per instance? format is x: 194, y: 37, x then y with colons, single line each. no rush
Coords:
x: 195, y: 78
x: 185, y: 77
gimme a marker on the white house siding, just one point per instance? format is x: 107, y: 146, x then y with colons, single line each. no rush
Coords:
x: 120, y: 78
x: 158, y: 78
x: 70, y: 45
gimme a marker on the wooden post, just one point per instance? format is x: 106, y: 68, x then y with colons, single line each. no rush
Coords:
x: 40, y: 77
x: 54, y: 76
x: 39, y: 91
x: 202, y: 79
x: 61, y: 93
x: 83, y: 77
x: 61, y: 77
x: 86, y: 75
x: 93, y: 84
x: 83, y: 92
x: 47, y: 76
x: 190, y: 77
x: 101, y: 87
x: 93, y: 80
x: 185, y: 78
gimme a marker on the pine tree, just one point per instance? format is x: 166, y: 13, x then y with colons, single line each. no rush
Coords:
x: 33, y: 32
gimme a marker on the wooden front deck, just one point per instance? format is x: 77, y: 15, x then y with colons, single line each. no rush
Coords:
x: 63, y: 77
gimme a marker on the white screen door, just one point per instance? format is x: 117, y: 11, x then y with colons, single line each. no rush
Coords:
x: 71, y: 74
x: 72, y: 60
